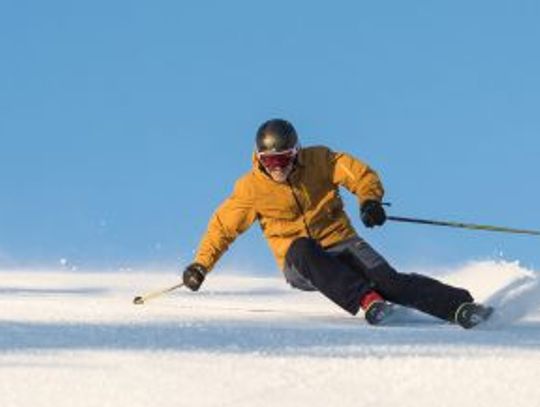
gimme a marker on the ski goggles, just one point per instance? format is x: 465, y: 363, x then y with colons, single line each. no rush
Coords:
x: 273, y: 161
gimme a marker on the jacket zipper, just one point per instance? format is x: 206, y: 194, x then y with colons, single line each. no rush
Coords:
x: 300, y: 208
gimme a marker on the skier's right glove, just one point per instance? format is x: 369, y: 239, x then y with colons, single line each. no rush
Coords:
x: 372, y: 213
x: 194, y: 275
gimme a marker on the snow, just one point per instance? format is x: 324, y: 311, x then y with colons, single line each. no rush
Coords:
x: 76, y: 339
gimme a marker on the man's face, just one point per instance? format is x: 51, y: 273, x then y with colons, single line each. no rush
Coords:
x: 278, y: 164
x: 281, y: 174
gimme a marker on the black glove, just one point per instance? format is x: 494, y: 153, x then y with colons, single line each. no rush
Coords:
x: 194, y: 275
x: 372, y: 213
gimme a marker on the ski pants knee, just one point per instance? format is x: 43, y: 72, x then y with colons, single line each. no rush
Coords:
x: 346, y: 271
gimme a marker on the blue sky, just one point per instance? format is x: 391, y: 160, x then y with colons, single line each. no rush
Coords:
x: 123, y: 124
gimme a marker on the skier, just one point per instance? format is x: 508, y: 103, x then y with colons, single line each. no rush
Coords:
x: 293, y: 193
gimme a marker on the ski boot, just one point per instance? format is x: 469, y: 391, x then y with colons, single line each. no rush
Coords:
x: 470, y: 314
x: 376, y: 309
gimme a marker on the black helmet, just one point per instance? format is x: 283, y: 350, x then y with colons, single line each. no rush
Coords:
x: 276, y: 135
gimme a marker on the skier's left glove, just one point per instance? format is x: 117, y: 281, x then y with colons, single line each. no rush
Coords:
x: 194, y: 275
x: 372, y: 213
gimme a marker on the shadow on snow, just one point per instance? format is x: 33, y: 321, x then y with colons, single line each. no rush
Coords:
x: 273, y: 337
x: 52, y: 291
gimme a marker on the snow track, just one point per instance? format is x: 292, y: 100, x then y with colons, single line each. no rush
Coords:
x: 76, y: 339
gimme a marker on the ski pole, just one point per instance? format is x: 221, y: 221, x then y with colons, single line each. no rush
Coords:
x: 464, y: 225
x: 141, y: 299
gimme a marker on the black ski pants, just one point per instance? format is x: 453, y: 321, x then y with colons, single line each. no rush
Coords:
x: 346, y: 271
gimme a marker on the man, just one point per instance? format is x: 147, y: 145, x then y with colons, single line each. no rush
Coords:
x: 293, y: 193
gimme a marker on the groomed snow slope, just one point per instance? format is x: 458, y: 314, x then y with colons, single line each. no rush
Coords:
x: 75, y: 339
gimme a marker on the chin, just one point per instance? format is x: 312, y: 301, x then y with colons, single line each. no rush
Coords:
x: 279, y: 176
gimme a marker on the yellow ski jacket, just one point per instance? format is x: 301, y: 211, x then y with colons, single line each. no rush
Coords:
x: 308, y: 205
